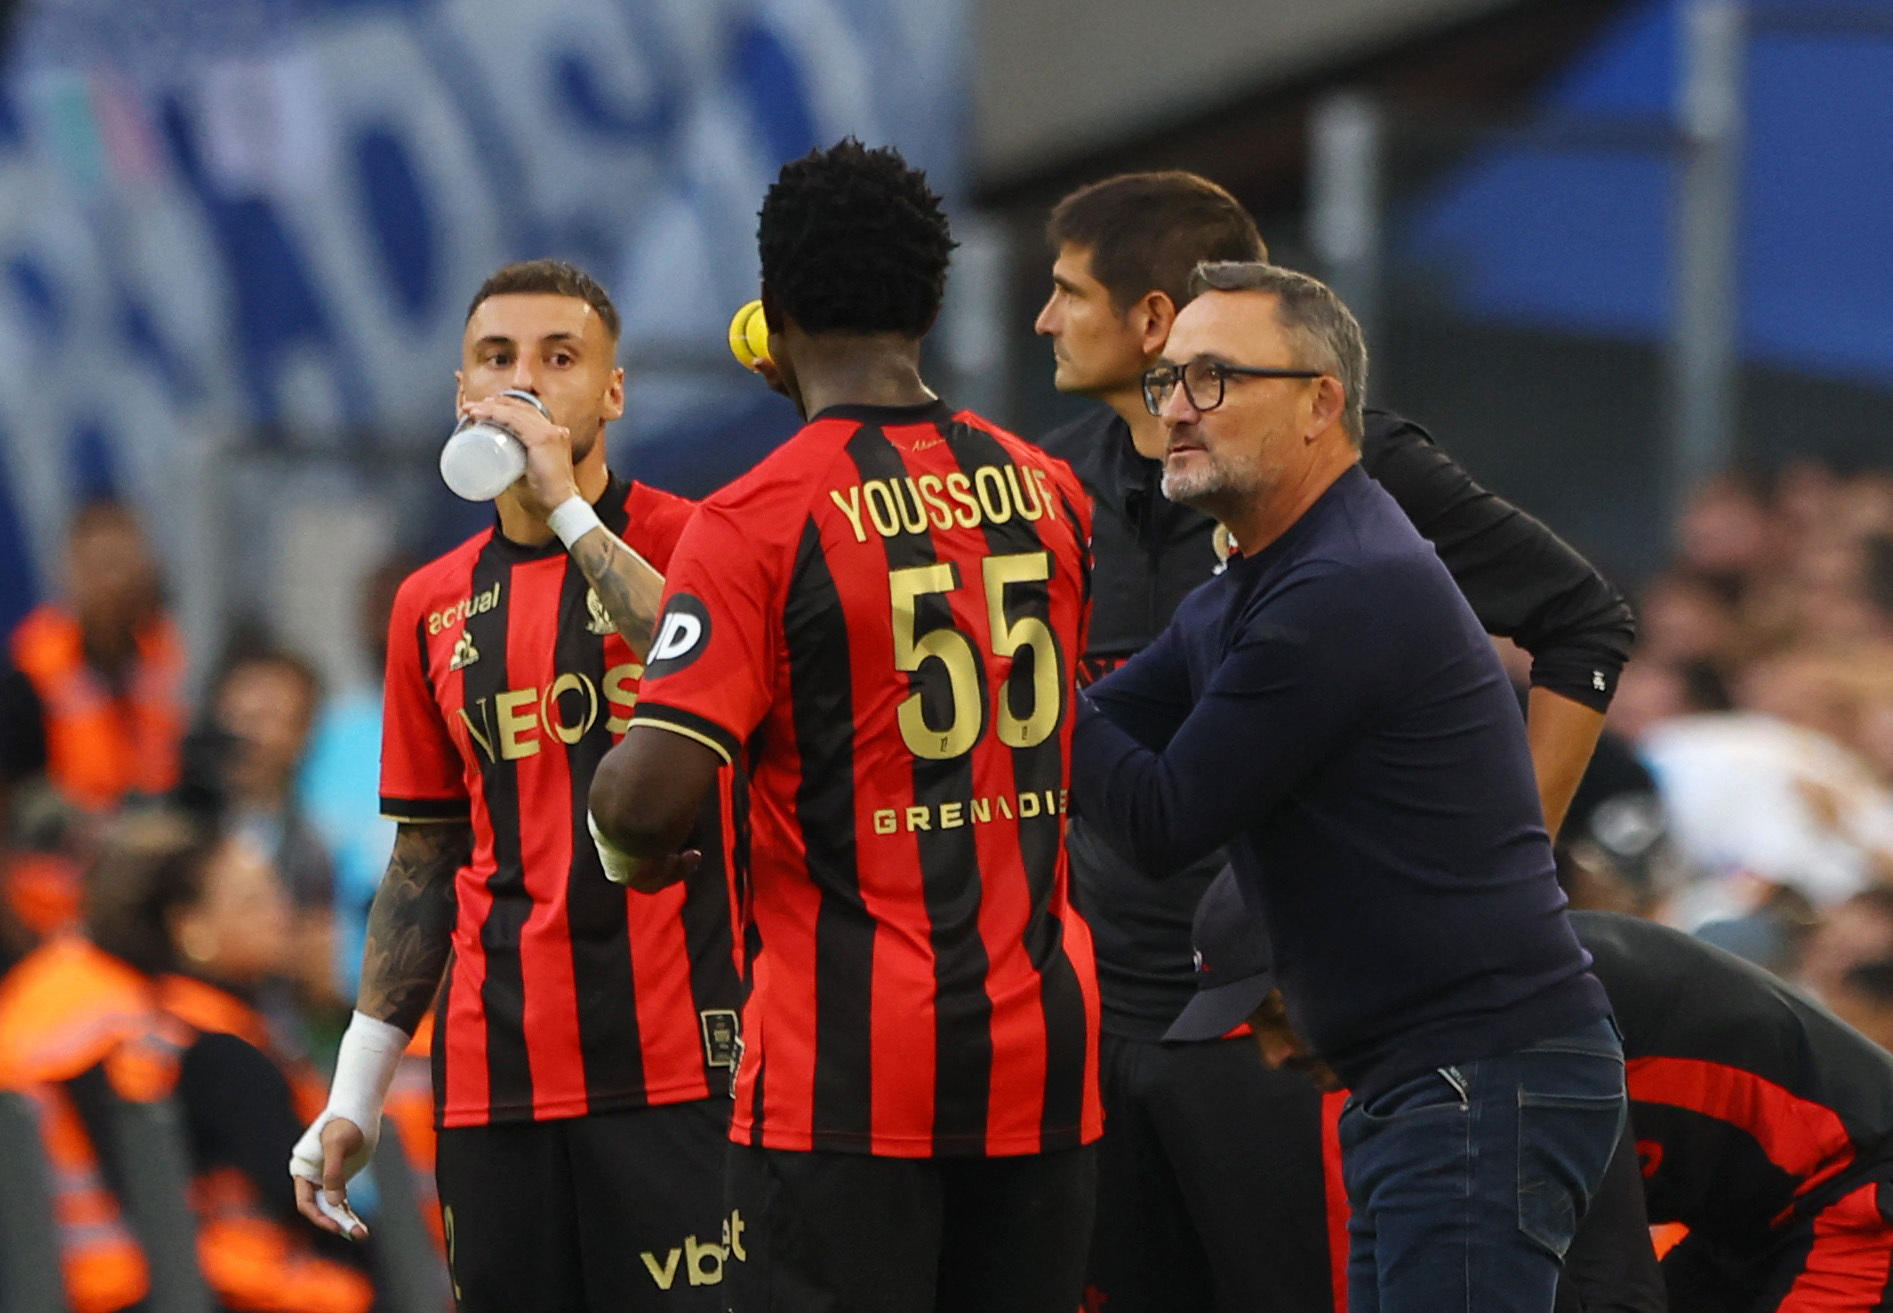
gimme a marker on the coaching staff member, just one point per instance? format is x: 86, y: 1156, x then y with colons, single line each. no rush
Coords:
x: 880, y: 622
x: 1329, y: 710
x: 1190, y: 1127
x: 581, y: 1054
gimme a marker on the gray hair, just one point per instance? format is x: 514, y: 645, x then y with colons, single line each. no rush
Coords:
x: 1327, y: 335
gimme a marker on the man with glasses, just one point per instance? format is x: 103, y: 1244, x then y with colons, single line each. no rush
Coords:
x: 1329, y: 712
x: 1192, y: 1127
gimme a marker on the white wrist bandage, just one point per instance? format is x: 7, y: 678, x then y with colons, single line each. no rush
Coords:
x: 615, y: 860
x: 364, y: 1068
x: 572, y: 519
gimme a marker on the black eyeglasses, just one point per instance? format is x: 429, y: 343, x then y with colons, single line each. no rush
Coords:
x: 1203, y: 381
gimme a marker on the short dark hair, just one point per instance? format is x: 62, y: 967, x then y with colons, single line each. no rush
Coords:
x: 251, y: 648
x: 1147, y: 231
x: 854, y: 241
x: 150, y: 864
x: 555, y: 278
x: 1328, y: 334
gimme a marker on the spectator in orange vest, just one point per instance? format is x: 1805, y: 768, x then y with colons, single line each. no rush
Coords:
x: 183, y: 921
x: 77, y: 1029
x: 205, y: 918
x: 22, y: 756
x: 39, y: 876
x: 107, y: 666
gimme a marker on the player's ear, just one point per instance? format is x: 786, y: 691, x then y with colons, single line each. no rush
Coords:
x: 1153, y: 316
x: 460, y: 392
x: 1330, y: 400
x: 613, y: 406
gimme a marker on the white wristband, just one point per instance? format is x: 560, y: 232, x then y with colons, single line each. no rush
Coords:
x: 364, y: 1068
x: 615, y: 860
x: 572, y: 519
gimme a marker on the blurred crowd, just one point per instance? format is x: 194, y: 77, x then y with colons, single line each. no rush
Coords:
x: 191, y: 882
x: 188, y: 883
x: 1745, y: 791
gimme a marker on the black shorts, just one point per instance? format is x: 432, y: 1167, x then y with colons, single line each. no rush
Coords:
x: 848, y: 1233
x: 1211, y: 1184
x: 1611, y: 1265
x: 621, y: 1211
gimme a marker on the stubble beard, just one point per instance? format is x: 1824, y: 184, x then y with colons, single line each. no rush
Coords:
x: 1213, y: 487
x: 584, y: 442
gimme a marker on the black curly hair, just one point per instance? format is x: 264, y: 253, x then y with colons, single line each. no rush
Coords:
x: 854, y: 241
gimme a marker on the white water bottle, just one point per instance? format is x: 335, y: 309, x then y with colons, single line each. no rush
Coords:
x: 481, y: 458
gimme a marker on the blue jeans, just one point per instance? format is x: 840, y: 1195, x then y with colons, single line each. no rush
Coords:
x: 1466, y: 1183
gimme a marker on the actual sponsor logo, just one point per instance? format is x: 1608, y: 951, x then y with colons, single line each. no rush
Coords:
x: 681, y: 636
x: 449, y: 616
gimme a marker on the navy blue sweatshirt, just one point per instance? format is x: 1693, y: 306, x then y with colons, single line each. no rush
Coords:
x: 1149, y: 554
x: 1330, y: 711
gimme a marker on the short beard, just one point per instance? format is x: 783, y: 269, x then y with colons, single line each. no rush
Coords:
x: 582, y: 445
x: 1215, y: 485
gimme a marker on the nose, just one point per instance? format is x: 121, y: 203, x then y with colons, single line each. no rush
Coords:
x: 1046, y: 325
x: 525, y: 374
x: 1177, y: 408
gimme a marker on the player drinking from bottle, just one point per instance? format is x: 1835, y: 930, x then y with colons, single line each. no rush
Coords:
x: 581, y: 1055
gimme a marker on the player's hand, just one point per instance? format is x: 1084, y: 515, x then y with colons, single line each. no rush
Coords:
x: 322, y: 1190
x: 549, y: 477
x: 645, y: 874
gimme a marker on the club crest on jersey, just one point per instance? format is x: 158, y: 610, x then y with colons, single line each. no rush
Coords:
x: 681, y: 636
x: 465, y: 653
x: 1223, y: 544
x: 600, y: 622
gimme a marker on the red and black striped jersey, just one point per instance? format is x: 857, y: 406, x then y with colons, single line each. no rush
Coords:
x: 506, y: 683
x: 881, y: 621
x: 1751, y: 1105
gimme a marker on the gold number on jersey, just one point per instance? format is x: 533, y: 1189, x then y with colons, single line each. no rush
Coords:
x: 955, y: 651
x: 948, y: 646
x: 1028, y: 632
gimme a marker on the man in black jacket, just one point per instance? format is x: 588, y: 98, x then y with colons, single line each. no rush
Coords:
x: 1185, y: 1166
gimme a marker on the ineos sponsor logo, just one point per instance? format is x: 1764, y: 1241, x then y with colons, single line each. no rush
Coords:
x: 512, y: 723
x: 682, y: 636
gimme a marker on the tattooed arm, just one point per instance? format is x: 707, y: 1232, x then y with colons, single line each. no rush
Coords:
x: 410, y: 933
x: 628, y: 586
x: 410, y: 927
